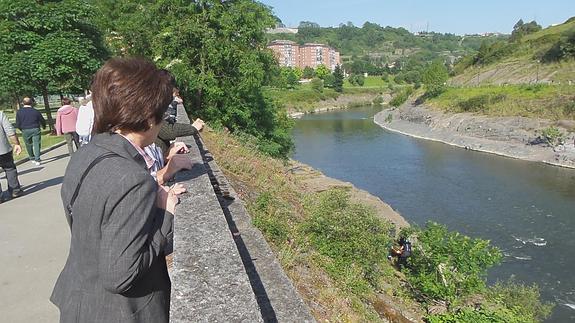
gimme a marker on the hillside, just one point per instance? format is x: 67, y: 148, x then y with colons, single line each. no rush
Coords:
x: 530, y: 59
x: 371, y: 46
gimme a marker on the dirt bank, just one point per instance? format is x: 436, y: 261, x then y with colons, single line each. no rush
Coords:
x: 515, y: 137
x: 315, y: 181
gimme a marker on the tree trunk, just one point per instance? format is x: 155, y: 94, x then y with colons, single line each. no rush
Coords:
x: 16, y: 101
x: 47, y: 109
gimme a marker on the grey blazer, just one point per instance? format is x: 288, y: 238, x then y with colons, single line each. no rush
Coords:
x: 116, y: 269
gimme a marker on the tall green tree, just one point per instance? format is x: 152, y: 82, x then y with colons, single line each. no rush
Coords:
x: 338, y: 79
x: 434, y: 78
x: 47, y: 46
x: 321, y: 71
x: 217, y: 52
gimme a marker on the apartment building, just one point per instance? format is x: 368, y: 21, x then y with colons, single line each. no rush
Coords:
x: 291, y: 54
x: 286, y: 51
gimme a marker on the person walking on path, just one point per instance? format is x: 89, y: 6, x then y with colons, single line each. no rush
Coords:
x: 6, y: 158
x: 120, y: 219
x: 66, y: 118
x: 29, y: 121
x: 85, y: 121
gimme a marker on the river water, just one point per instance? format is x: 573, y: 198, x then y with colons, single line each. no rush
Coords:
x: 526, y: 209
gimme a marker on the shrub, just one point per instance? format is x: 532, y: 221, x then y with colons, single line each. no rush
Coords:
x: 481, y: 315
x: 378, y: 100
x: 524, y: 299
x: 401, y: 96
x: 552, y: 135
x: 317, y: 85
x: 447, y: 265
x: 480, y: 102
x: 353, y: 238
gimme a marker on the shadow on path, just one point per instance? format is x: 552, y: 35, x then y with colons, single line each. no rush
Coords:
x: 31, y: 188
x: 51, y: 159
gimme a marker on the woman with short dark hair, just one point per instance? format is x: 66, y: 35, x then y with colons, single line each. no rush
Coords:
x: 121, y: 223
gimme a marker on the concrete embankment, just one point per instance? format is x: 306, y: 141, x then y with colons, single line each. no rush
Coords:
x: 515, y: 137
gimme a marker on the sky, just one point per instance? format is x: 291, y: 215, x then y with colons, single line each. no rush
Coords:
x: 445, y: 16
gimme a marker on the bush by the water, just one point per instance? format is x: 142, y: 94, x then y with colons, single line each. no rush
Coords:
x: 400, y: 96
x: 350, y: 235
x: 480, y: 102
x: 446, y: 265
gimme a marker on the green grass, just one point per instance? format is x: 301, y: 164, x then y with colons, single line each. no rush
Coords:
x: 302, y: 98
x: 553, y: 102
x: 370, y: 82
x: 47, y: 140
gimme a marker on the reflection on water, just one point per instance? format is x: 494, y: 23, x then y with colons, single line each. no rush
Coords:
x: 527, y: 209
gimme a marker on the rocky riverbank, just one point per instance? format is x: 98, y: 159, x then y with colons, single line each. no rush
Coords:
x: 515, y: 137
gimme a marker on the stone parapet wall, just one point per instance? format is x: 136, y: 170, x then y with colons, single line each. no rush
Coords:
x: 223, y: 270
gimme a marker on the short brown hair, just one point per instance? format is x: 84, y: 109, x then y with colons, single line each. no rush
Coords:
x: 66, y: 101
x: 127, y: 93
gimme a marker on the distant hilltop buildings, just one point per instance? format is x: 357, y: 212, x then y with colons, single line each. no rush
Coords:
x: 290, y: 54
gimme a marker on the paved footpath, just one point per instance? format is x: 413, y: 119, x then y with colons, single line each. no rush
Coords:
x: 34, y: 241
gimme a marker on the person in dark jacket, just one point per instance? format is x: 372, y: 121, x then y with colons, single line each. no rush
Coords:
x: 171, y: 131
x: 121, y: 221
x: 29, y: 121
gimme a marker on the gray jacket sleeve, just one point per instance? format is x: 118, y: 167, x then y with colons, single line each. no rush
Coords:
x: 7, y: 125
x: 134, y: 235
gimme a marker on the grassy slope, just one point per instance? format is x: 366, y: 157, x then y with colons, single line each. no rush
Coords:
x: 523, y: 65
x: 284, y: 209
x: 479, y: 88
x: 553, y: 102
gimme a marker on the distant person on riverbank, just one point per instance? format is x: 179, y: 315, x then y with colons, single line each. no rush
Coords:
x: 29, y: 121
x: 85, y: 121
x: 402, y: 252
x: 121, y: 221
x: 7, y: 133
x: 66, y: 118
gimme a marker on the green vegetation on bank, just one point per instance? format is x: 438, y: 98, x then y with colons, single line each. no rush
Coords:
x: 538, y: 100
x: 303, y: 97
x: 334, y: 250
x: 531, y: 55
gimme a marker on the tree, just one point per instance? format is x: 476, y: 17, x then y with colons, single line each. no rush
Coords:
x: 48, y: 47
x: 217, y: 53
x: 321, y: 71
x: 289, y: 77
x: 317, y: 85
x: 521, y: 29
x: 308, y: 73
x: 338, y: 79
x: 434, y: 78
x: 328, y: 80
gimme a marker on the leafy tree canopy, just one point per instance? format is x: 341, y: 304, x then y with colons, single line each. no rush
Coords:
x: 47, y: 46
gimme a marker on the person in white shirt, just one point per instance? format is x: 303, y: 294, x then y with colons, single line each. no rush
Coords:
x: 85, y: 121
